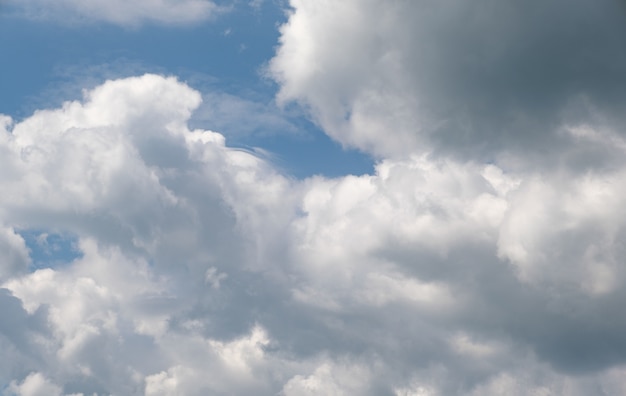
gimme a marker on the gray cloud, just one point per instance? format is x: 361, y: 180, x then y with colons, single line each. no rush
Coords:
x: 480, y: 80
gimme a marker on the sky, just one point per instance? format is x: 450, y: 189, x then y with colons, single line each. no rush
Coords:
x: 312, y: 197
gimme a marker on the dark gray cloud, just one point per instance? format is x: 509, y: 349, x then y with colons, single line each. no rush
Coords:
x: 508, y: 74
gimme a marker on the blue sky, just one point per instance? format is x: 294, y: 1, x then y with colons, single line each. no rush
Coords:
x: 227, y: 55
x: 312, y: 197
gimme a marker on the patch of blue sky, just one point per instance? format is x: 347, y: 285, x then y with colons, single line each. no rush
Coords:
x: 49, y: 249
x: 311, y: 154
x: 39, y: 54
x: 46, y: 63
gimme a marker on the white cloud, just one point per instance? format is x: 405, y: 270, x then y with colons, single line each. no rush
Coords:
x: 353, y: 81
x: 582, y: 215
x: 205, y: 271
x: 216, y: 367
x: 34, y: 385
x: 125, y: 13
x: 529, y: 243
x: 15, y: 258
x: 330, y: 379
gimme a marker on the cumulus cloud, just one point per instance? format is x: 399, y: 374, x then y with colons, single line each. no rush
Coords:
x: 494, y: 211
x: 125, y: 13
x: 464, y: 264
x: 35, y: 385
x: 476, y: 79
x: 205, y: 271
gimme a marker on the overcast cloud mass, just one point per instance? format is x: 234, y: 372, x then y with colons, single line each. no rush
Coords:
x: 483, y: 256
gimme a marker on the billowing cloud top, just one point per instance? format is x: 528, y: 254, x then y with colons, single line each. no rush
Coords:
x: 464, y: 264
x: 202, y: 270
x: 120, y: 12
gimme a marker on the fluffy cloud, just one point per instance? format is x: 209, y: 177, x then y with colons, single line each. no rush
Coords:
x: 465, y: 264
x: 478, y: 80
x: 205, y: 271
x: 144, y: 196
x: 494, y: 214
x: 118, y: 12
x: 35, y: 385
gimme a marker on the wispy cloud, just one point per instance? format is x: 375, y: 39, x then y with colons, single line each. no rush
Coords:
x: 125, y: 13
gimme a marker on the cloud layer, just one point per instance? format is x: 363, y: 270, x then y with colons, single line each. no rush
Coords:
x: 203, y: 270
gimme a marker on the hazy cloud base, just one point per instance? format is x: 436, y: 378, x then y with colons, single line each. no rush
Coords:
x: 205, y: 271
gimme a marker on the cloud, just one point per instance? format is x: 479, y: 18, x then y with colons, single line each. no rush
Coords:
x: 476, y: 80
x: 329, y: 380
x: 483, y: 256
x: 14, y: 253
x: 119, y: 12
x: 203, y: 270
x: 436, y: 238
x: 35, y: 385
x: 498, y: 132
x: 256, y: 4
x: 238, y: 116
